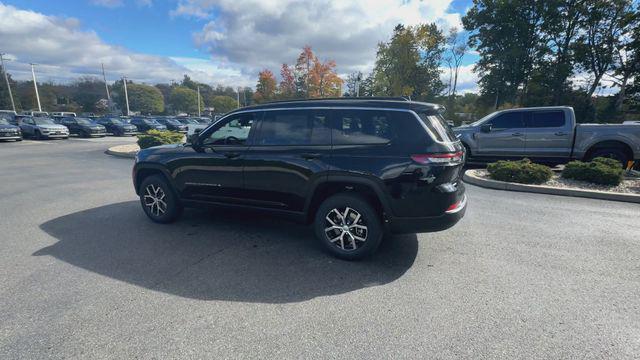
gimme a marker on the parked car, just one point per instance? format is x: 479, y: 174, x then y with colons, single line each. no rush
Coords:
x: 117, y: 127
x: 146, y: 124
x: 186, y: 121
x: 172, y: 124
x: 8, y: 131
x: 35, y: 113
x: 62, y: 114
x: 547, y: 134
x: 41, y: 128
x: 200, y: 124
x: 84, y: 127
x: 353, y: 168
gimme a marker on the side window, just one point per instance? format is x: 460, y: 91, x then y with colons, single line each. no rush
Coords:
x: 29, y: 122
x: 294, y: 127
x: 234, y: 131
x: 510, y: 120
x: 545, y: 119
x: 362, y: 127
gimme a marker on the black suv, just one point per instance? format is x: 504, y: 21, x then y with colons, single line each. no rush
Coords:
x: 354, y: 168
x: 83, y: 127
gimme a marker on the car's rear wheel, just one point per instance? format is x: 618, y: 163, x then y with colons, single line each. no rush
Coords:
x: 348, y: 226
x: 158, y: 200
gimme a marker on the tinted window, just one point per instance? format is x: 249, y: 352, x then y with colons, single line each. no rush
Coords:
x: 294, y: 127
x: 510, y: 120
x: 438, y: 126
x: 546, y: 119
x: 363, y: 127
x: 234, y: 131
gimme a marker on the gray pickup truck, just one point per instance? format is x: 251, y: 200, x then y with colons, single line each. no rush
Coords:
x: 546, y: 134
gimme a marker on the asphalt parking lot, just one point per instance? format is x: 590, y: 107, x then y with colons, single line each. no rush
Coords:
x: 84, y: 274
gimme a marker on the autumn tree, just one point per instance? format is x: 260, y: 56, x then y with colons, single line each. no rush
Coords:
x: 287, y: 88
x: 266, y: 87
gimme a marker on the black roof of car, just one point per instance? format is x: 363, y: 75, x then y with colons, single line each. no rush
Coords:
x: 371, y: 102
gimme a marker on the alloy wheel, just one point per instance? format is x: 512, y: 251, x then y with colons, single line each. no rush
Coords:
x: 154, y: 199
x: 345, y: 228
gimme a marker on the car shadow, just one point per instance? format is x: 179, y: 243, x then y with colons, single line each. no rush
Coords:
x: 218, y: 255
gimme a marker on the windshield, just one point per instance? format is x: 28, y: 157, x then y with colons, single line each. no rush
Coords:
x: 4, y: 122
x: 172, y: 122
x: 150, y: 122
x: 43, y: 121
x: 477, y: 123
x: 84, y: 122
x: 115, y: 122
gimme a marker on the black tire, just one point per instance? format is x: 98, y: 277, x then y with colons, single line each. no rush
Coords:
x: 173, y: 207
x: 612, y: 153
x: 344, y: 248
x: 18, y: 139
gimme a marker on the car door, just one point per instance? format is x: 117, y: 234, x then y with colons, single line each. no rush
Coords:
x: 506, y: 137
x: 548, y: 134
x: 212, y: 170
x: 27, y: 126
x: 70, y: 124
x: 289, y: 155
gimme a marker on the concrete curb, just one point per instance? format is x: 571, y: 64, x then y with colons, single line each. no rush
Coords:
x: 113, y: 151
x: 471, y: 177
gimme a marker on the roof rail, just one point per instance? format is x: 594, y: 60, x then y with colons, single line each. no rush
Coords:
x: 388, y: 98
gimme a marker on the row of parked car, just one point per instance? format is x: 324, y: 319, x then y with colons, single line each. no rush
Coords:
x: 42, y: 125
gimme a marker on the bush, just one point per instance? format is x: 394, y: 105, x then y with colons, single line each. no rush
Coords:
x: 522, y: 171
x: 603, y: 171
x: 157, y: 137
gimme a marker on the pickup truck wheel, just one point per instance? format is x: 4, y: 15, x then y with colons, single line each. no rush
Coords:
x: 348, y: 227
x: 158, y: 200
x: 613, y: 153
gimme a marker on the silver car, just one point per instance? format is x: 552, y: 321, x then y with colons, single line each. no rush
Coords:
x: 42, y: 128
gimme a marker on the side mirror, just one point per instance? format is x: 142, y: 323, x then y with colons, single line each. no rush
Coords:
x: 485, y: 128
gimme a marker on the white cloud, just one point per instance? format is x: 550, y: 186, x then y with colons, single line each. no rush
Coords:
x: 467, y: 79
x: 107, y: 3
x: 265, y: 33
x: 64, y: 52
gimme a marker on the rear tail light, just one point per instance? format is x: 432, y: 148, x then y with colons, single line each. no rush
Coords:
x: 442, y: 159
x: 457, y: 206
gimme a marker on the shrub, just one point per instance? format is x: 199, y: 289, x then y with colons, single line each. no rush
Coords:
x: 603, y: 171
x: 522, y: 171
x: 157, y: 137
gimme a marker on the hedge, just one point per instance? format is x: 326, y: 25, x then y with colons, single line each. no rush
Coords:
x: 603, y: 171
x: 522, y: 171
x: 157, y: 137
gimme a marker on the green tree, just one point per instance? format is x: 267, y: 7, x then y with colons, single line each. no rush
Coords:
x: 507, y: 36
x: 143, y: 98
x: 409, y: 63
x: 183, y: 99
x: 224, y: 104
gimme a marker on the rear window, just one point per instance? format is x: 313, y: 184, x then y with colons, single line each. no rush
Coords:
x: 294, y: 127
x: 363, y: 127
x: 546, y: 119
x: 438, y: 127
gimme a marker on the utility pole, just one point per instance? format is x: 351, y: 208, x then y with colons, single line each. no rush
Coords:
x: 358, y: 79
x: 35, y: 86
x: 198, y: 100
x: 126, y: 96
x: 104, y: 77
x: 238, y: 93
x: 6, y: 79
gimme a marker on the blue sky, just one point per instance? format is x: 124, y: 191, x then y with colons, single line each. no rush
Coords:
x: 215, y: 41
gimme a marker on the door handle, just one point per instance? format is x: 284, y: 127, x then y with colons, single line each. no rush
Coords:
x: 560, y: 133
x: 231, y: 155
x: 310, y: 156
x: 516, y: 134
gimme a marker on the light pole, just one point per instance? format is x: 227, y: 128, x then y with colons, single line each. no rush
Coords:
x: 6, y: 79
x: 35, y: 85
x: 126, y: 96
x: 104, y: 77
x: 238, y: 96
x: 198, y: 101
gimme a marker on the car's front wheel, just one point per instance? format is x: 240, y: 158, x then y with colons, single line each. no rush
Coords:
x: 158, y: 200
x: 348, y: 226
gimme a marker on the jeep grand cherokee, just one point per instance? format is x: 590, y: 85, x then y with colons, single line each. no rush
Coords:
x: 353, y: 168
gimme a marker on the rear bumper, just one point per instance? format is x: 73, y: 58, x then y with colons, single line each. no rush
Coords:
x: 404, y: 225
